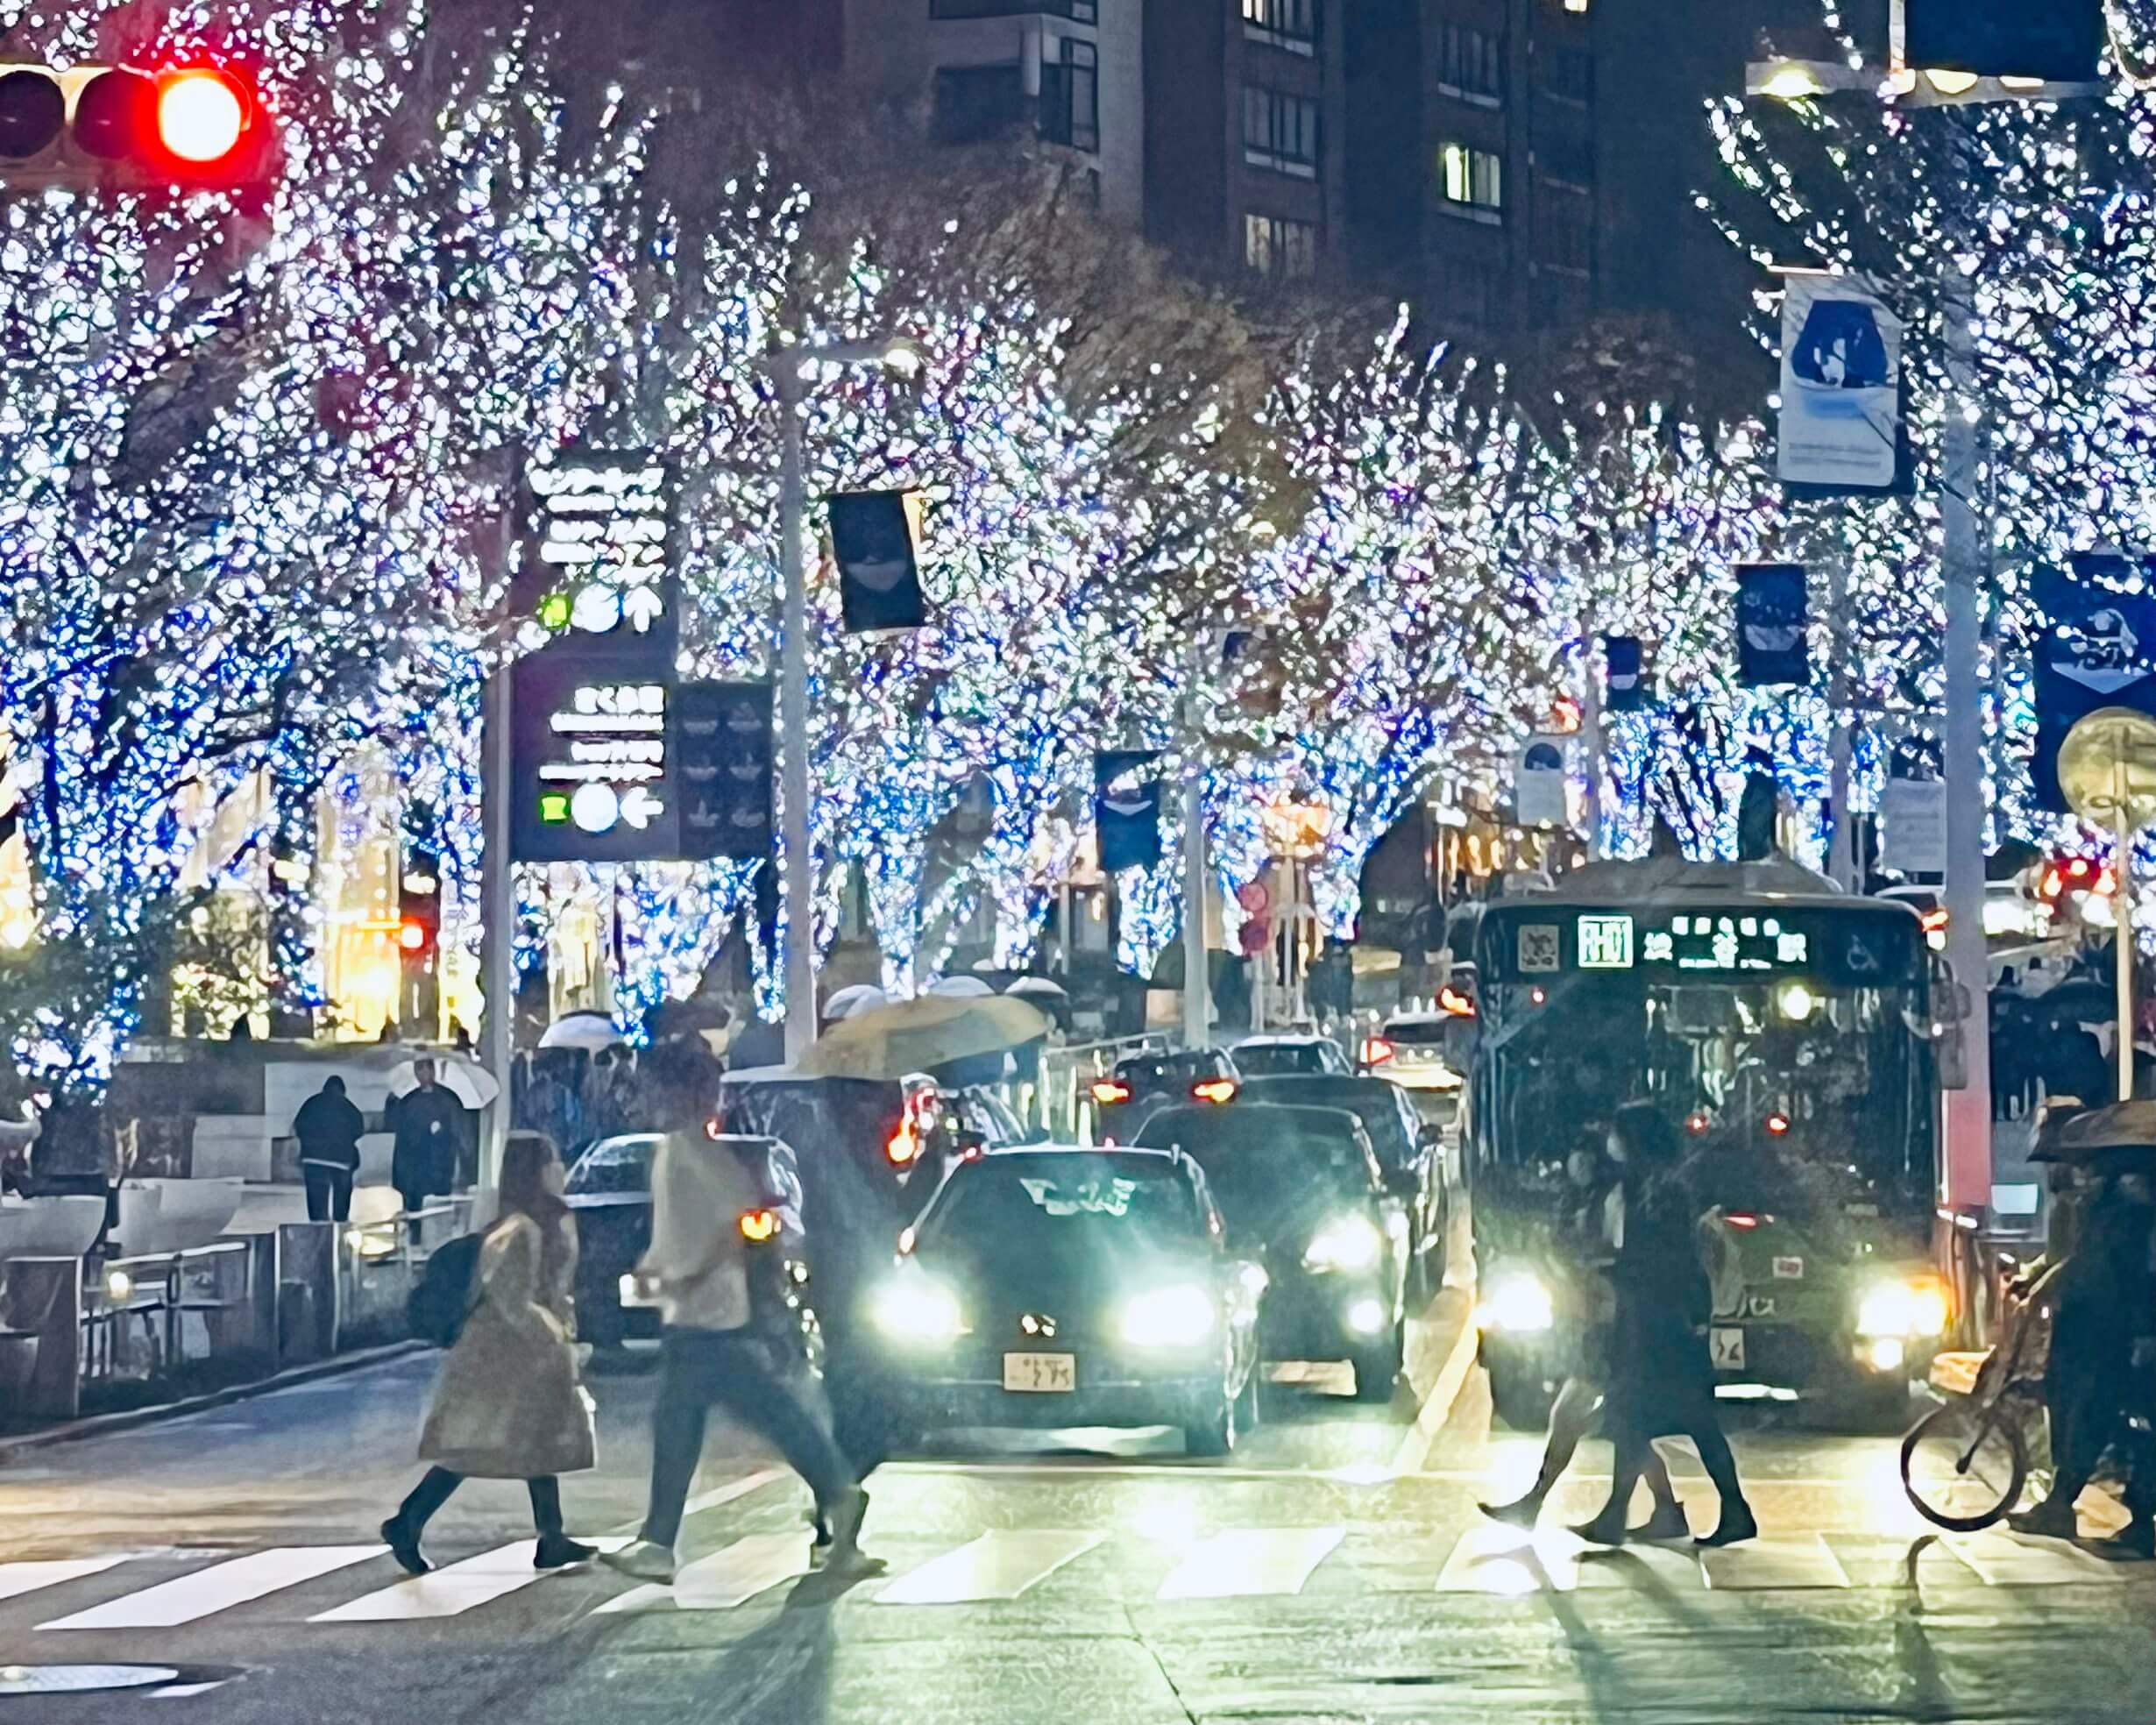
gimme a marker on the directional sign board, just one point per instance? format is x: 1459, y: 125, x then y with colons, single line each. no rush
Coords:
x: 724, y: 756
x: 603, y: 532
x: 592, y: 765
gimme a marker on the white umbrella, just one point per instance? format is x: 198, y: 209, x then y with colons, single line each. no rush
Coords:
x: 959, y: 988
x: 855, y: 997
x: 588, y: 1031
x: 471, y: 1085
x: 1040, y: 988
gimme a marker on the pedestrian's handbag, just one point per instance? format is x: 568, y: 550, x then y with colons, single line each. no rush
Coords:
x: 442, y: 1298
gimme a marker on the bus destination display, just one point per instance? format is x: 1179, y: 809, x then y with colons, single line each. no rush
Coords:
x: 1709, y: 945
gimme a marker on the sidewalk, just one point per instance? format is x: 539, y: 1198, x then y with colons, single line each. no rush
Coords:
x: 267, y: 1206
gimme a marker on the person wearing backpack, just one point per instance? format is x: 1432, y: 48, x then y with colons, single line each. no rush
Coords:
x: 507, y: 1404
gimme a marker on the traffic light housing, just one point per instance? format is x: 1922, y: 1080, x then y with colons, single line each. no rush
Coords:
x: 419, y: 938
x: 195, y: 126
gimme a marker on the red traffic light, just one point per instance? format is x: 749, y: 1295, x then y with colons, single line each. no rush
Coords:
x: 414, y: 935
x: 202, y: 115
x: 194, y: 127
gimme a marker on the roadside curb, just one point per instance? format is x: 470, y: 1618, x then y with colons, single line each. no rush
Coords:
x: 99, y: 1425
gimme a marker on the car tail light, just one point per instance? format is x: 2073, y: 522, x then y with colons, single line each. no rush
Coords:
x: 1214, y: 1089
x: 1460, y: 1005
x: 1777, y: 1124
x: 904, y: 1147
x: 1741, y: 1219
x: 1106, y: 1091
x: 1698, y: 1121
x: 715, y: 1128
x: 1377, y: 1051
x: 758, y: 1225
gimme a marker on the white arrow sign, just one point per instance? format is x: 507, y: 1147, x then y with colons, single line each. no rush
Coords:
x: 640, y: 807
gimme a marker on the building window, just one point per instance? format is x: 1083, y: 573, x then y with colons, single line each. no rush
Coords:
x: 1567, y: 73
x: 1279, y: 131
x: 1079, y: 11
x: 1285, y: 23
x: 974, y: 103
x: 1469, y: 292
x: 1471, y: 66
x: 1473, y: 181
x: 1564, y: 237
x: 1283, y: 250
x: 1070, y: 97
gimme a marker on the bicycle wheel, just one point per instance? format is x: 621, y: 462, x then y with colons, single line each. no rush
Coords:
x: 1963, y: 1465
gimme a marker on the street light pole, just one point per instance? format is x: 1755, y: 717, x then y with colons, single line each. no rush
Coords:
x: 794, y: 840
x: 1841, y: 850
x: 1197, y: 981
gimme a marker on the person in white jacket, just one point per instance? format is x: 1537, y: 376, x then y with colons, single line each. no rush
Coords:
x: 698, y: 1270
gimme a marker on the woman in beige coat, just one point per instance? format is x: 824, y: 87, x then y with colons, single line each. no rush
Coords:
x: 507, y: 1405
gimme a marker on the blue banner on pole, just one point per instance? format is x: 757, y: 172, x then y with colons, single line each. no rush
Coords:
x: 1126, y: 819
x: 2099, y: 651
x: 1773, y: 643
x: 1627, y: 688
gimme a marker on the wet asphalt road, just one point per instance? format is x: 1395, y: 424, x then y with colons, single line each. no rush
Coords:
x: 1333, y: 1570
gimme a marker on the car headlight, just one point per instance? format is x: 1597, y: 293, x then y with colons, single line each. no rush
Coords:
x: 913, y: 1306
x: 1344, y: 1243
x: 1168, y: 1317
x: 1516, y: 1300
x: 1916, y: 1307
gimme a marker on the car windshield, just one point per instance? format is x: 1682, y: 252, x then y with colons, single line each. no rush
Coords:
x: 1386, y: 1114
x: 1074, y: 1213
x: 1262, y: 1060
x: 1417, y: 1033
x: 1268, y: 1166
x: 613, y: 1167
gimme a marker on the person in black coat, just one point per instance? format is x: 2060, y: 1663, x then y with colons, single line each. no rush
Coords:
x: 329, y: 1129
x: 424, y: 1122
x: 1661, y: 1378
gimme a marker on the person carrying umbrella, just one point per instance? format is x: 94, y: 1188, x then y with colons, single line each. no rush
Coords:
x: 424, y: 1125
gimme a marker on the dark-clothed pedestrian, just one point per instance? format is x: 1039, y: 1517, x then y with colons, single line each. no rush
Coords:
x: 507, y: 1404
x: 423, y: 1121
x: 1578, y: 1409
x: 712, y: 1350
x: 1661, y: 1376
x: 328, y: 1128
x: 2097, y: 1378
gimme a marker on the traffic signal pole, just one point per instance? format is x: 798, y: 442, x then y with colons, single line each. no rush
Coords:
x: 497, y: 928
x: 1197, y: 978
x: 793, y: 709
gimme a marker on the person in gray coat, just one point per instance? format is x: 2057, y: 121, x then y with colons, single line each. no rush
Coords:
x: 507, y: 1404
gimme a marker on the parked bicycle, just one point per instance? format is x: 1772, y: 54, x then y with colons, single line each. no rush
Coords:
x: 1966, y: 1464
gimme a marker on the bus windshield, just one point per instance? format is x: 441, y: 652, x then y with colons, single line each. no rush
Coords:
x: 1801, y: 1032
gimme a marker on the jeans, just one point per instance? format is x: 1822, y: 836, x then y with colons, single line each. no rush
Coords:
x: 698, y: 1367
x: 328, y: 1192
x: 438, y: 1483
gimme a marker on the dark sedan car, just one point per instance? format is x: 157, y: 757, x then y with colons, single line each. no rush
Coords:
x: 1058, y: 1287
x: 1302, y: 1190
x: 609, y: 1193
x: 1410, y: 1151
x: 1142, y: 1084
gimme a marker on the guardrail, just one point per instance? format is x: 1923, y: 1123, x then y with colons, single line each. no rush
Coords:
x: 99, y: 1335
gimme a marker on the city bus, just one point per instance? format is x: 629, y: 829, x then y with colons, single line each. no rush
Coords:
x: 1787, y: 1031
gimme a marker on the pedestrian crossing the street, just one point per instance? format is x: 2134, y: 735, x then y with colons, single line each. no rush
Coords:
x: 59, y: 1599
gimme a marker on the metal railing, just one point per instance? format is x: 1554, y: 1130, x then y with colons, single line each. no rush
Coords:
x: 377, y: 1264
x: 207, y: 1314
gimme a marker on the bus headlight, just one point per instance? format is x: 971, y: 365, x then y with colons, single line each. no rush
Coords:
x: 1344, y: 1243
x: 1915, y: 1307
x: 1517, y: 1301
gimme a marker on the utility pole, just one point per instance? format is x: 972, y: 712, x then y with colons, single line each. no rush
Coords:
x: 1842, y: 848
x: 794, y: 840
x: 1590, y: 726
x: 1967, y: 559
x: 496, y: 928
x: 1197, y: 981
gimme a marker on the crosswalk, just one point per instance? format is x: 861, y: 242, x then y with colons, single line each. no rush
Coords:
x: 52, y: 1601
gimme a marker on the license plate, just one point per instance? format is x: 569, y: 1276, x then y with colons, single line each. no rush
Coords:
x: 1041, y: 1373
x: 1727, y: 1348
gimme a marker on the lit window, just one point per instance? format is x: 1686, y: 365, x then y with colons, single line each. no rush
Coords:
x: 1284, y: 24
x: 1473, y: 177
x: 1280, y: 249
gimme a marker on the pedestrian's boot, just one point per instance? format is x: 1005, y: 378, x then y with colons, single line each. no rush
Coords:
x: 2051, y: 1519
x: 1737, y: 1525
x: 1522, y: 1512
x: 403, y: 1542
x: 1606, y: 1528
x: 844, y: 1555
x: 643, y: 1560
x: 558, y: 1550
x: 1666, y: 1523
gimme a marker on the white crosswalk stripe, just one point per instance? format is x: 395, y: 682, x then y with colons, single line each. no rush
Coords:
x: 1763, y: 1564
x: 1002, y: 1564
x: 205, y: 1592
x: 451, y: 1591
x: 1248, y: 1562
x: 2008, y: 1560
x: 17, y: 1579
x: 726, y: 1579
